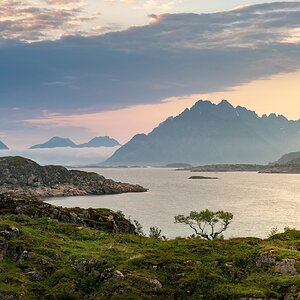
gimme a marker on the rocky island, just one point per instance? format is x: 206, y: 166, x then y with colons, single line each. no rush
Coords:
x: 202, y: 177
x: 22, y: 176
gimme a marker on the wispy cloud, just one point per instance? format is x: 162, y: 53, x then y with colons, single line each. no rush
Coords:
x: 30, y: 21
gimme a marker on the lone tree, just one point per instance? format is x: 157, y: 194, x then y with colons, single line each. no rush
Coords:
x: 207, y: 224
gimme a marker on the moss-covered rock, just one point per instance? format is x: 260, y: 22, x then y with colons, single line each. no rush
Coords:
x: 34, y: 208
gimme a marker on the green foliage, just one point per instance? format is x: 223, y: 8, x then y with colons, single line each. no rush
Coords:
x: 155, y: 233
x: 138, y: 228
x: 273, y: 231
x: 207, y: 224
x: 120, y: 214
x: 289, y: 235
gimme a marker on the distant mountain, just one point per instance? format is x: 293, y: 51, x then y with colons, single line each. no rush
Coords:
x: 212, y: 134
x: 287, y: 164
x: 295, y: 161
x: 290, y: 158
x: 100, y: 141
x: 3, y: 146
x: 59, y: 142
x: 56, y: 142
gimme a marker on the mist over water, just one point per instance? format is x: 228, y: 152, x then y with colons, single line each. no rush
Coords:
x: 64, y: 156
x: 259, y: 202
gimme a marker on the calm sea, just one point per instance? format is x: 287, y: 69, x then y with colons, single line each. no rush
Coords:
x: 259, y: 202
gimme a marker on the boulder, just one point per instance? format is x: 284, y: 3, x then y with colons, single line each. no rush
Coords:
x: 286, y: 266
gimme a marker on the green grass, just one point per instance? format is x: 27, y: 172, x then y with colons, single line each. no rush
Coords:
x: 186, y: 268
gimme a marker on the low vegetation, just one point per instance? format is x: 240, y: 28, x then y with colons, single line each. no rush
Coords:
x: 42, y: 257
x: 206, y: 224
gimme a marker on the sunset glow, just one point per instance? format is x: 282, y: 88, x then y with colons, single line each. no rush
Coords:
x: 173, y: 54
x: 280, y: 93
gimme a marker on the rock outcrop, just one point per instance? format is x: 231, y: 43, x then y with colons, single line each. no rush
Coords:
x: 34, y: 208
x: 21, y: 176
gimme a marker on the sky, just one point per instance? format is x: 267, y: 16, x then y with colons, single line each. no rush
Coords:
x: 81, y: 69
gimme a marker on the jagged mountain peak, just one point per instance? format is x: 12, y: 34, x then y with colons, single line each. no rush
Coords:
x: 243, y: 112
x: 208, y: 109
x: 225, y: 104
x: 212, y: 133
x: 203, y: 105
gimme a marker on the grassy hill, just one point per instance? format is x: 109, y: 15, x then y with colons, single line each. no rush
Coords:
x: 43, y: 256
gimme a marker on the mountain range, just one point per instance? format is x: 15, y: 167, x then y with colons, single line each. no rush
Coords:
x: 3, y: 146
x: 59, y: 142
x: 211, y: 133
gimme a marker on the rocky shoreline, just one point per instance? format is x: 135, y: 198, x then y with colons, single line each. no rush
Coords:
x: 228, y: 168
x: 21, y: 176
x: 293, y: 168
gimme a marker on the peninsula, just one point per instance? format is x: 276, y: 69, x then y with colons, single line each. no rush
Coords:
x: 22, y: 176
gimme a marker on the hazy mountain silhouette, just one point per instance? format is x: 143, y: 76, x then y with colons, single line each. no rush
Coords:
x: 289, y: 158
x: 209, y: 133
x: 3, y: 146
x: 100, y: 141
x: 55, y: 142
x: 59, y: 142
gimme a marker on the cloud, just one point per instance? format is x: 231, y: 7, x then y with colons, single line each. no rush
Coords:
x: 28, y: 21
x: 154, y: 4
x: 176, y: 54
x: 60, y: 2
x: 148, y: 4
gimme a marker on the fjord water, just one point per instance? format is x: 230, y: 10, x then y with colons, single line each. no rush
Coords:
x: 259, y: 202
